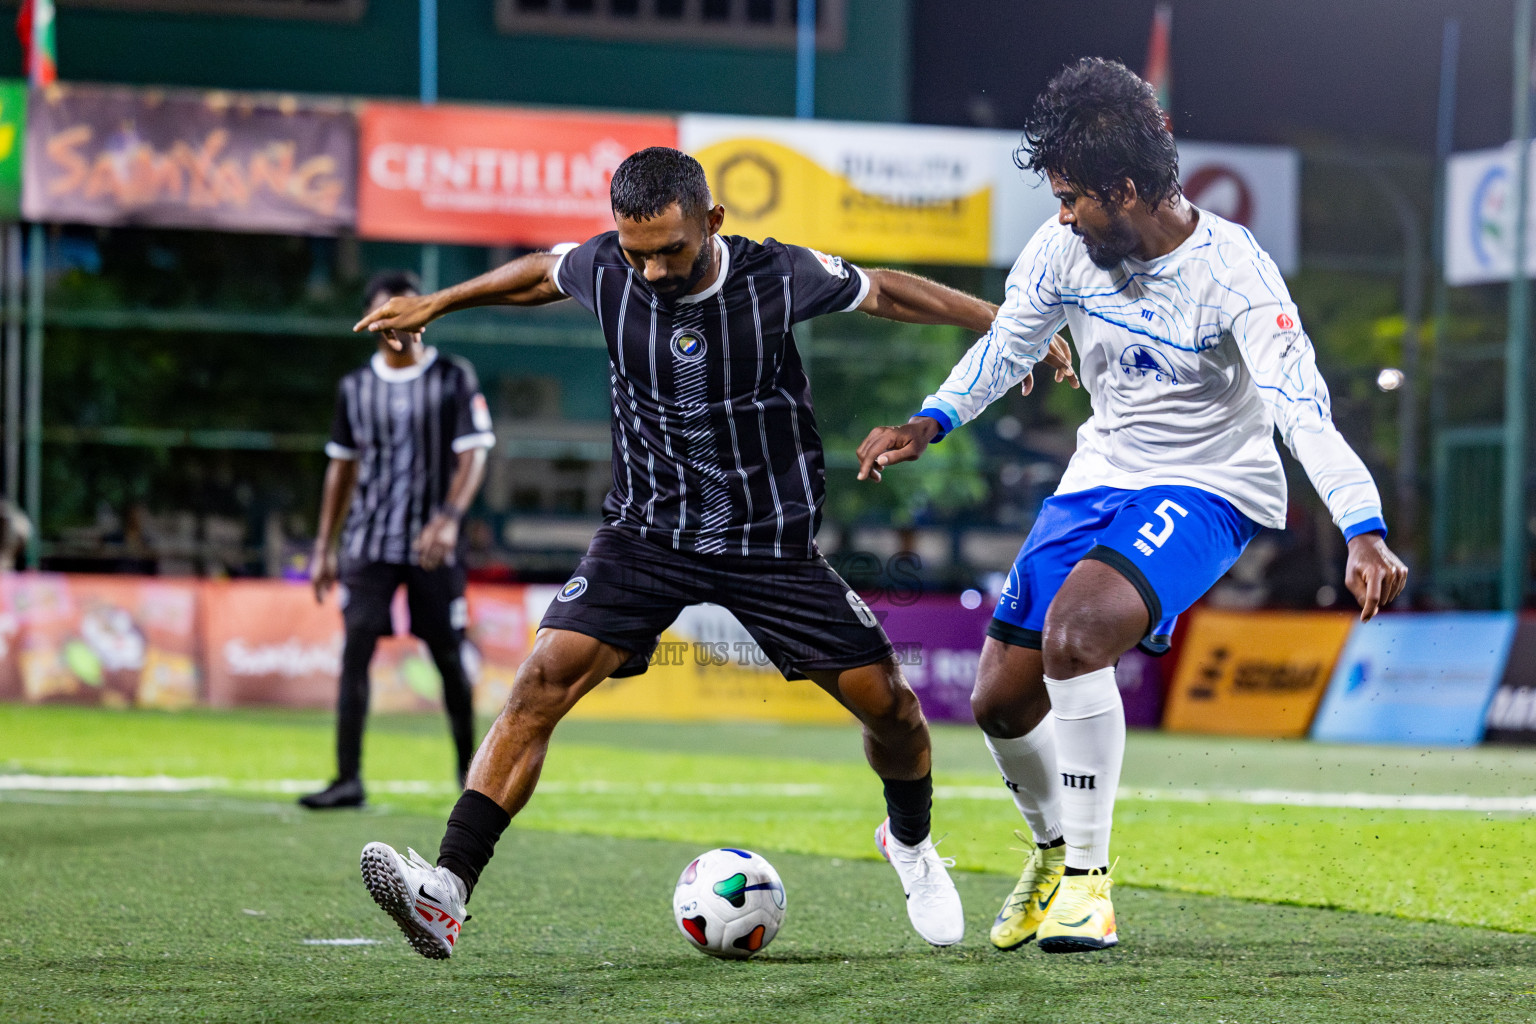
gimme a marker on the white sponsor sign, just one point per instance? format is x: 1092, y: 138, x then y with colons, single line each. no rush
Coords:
x: 908, y: 193
x: 1258, y: 187
x: 1480, y: 217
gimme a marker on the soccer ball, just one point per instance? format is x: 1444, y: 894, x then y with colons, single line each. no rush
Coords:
x: 729, y: 903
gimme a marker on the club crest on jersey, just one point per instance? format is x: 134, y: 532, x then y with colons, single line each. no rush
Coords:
x: 573, y: 589
x: 1141, y: 361
x: 688, y: 344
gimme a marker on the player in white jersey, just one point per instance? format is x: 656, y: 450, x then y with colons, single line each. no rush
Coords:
x: 1193, y: 355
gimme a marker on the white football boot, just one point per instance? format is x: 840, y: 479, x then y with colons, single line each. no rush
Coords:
x: 423, y: 900
x: 933, y: 905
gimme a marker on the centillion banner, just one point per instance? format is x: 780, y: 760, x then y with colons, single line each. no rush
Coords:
x: 1254, y: 674
x: 877, y: 192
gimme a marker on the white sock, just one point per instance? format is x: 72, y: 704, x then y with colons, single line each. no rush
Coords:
x: 1028, y: 764
x: 1090, y: 726
x: 458, y: 883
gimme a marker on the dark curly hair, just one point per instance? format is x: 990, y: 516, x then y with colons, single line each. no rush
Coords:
x: 390, y: 283
x: 653, y: 179
x: 1096, y: 124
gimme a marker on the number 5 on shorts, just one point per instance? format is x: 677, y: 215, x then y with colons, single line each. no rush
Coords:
x: 1161, y: 537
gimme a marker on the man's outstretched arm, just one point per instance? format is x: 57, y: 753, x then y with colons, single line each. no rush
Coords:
x: 897, y: 295
x: 526, y: 281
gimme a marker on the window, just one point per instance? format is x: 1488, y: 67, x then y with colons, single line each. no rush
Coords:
x: 753, y: 23
x: 313, y: 10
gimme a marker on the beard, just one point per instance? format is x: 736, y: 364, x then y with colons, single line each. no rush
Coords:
x: 676, y: 287
x: 1119, y: 241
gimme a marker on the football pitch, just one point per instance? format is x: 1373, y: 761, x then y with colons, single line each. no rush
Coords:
x: 157, y: 870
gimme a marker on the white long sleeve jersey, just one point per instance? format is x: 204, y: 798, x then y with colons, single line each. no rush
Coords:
x: 1191, y: 361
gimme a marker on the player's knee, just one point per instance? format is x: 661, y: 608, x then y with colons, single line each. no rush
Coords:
x: 1072, y: 647
x: 993, y: 714
x: 887, y: 701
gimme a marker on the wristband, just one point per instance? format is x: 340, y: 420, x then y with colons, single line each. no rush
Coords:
x: 938, y: 416
x: 451, y: 511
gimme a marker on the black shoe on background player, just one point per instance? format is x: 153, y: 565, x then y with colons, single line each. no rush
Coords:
x: 341, y: 793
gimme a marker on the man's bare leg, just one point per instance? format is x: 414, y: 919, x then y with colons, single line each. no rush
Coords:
x: 562, y: 668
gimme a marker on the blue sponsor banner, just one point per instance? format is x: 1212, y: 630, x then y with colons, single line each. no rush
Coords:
x: 1420, y: 679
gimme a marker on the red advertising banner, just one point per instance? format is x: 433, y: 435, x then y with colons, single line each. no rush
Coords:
x: 119, y: 641
x: 479, y: 176
x: 268, y: 642
x: 112, y: 155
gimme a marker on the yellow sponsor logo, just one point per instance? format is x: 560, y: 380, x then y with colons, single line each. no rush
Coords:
x: 772, y: 190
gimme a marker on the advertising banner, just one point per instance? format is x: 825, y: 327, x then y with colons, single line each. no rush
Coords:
x: 1512, y: 715
x: 13, y: 135
x: 269, y: 642
x: 906, y: 193
x: 706, y: 668
x: 1258, y: 187
x: 1143, y: 688
x: 1480, y: 217
x: 482, y: 176
x: 1424, y: 679
x: 1254, y: 674
x: 116, y: 641
x: 113, y: 155
x: 876, y: 192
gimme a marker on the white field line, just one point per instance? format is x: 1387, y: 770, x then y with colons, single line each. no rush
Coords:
x: 1264, y: 797
x: 340, y: 942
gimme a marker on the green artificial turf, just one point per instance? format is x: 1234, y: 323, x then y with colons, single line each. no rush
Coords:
x: 135, y: 906
x: 153, y: 909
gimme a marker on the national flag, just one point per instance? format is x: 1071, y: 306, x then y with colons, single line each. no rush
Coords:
x: 34, y: 26
x: 1159, y: 71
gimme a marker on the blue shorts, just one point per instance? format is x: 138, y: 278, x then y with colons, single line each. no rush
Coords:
x: 1172, y: 542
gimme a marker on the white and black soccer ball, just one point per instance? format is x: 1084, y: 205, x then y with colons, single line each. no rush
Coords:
x: 729, y: 903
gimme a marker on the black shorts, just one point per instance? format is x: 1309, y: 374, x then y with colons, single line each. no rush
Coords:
x: 439, y: 612
x: 626, y: 590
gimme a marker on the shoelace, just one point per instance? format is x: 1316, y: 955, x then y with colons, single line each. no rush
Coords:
x: 923, y: 873
x: 1031, y: 879
x: 1077, y: 900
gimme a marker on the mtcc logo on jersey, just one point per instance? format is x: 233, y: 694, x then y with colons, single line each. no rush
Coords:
x: 573, y: 589
x: 688, y: 344
x: 1141, y: 361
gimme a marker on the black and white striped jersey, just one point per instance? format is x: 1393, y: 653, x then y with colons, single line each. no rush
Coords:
x: 715, y: 448
x: 404, y: 428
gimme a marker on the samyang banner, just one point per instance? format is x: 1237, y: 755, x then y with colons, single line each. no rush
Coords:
x: 482, y: 176
x: 230, y: 162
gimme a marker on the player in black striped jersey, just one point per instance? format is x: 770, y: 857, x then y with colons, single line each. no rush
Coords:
x: 718, y: 484
x: 408, y: 448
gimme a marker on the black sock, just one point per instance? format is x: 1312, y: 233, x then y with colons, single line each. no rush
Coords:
x: 1058, y: 841
x: 909, y: 803
x: 458, y: 701
x: 1088, y: 871
x: 352, y: 702
x: 475, y: 825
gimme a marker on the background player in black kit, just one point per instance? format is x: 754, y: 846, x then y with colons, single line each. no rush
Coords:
x: 407, y: 450
x: 718, y: 483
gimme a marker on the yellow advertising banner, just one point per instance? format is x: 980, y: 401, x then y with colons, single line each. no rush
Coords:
x: 877, y: 192
x: 707, y: 668
x: 1254, y: 674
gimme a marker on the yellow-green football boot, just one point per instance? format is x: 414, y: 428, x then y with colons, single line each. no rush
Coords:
x: 1026, y: 906
x: 1081, y: 917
